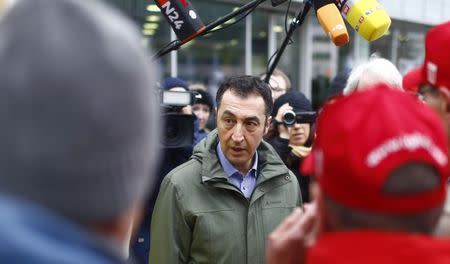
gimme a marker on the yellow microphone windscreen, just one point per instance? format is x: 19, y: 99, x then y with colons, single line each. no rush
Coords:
x: 367, y: 17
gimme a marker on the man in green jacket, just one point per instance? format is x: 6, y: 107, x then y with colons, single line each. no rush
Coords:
x: 220, y: 206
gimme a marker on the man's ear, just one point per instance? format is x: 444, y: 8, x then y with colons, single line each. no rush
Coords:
x: 267, y: 125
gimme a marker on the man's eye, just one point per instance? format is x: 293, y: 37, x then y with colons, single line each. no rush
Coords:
x: 251, y: 125
x: 228, y: 121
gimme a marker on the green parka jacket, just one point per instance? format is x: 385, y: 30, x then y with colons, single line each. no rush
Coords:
x: 201, y: 217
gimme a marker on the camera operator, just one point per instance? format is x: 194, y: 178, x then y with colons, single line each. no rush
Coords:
x: 292, y: 139
x: 174, y: 154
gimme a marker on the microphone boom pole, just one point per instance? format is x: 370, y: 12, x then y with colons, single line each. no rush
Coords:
x: 178, y: 43
x: 298, y: 21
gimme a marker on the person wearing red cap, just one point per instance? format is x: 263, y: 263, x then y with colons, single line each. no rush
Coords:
x: 436, y: 69
x: 382, y: 188
x: 436, y: 91
x: 412, y: 80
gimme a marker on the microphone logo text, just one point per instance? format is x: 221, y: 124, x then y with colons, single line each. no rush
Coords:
x: 173, y: 15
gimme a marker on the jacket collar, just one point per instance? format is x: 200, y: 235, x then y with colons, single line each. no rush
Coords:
x: 269, y: 163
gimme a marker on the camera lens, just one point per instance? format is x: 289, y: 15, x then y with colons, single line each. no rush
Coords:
x: 289, y: 118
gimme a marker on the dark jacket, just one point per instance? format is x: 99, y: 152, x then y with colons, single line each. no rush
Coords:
x: 201, y: 217
x: 293, y: 162
x: 30, y: 233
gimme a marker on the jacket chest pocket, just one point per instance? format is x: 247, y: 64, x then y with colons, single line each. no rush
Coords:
x: 274, y: 209
x: 217, y: 237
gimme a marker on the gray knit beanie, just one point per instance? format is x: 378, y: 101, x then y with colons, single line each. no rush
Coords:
x: 79, y: 116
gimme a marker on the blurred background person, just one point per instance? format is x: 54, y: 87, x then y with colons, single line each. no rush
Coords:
x: 381, y: 187
x: 375, y: 71
x: 79, y: 150
x: 338, y: 83
x: 279, y: 83
x: 211, y: 122
x: 293, y: 142
x: 203, y: 108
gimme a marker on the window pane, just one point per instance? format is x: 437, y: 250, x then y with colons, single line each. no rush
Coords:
x: 154, y: 27
x: 259, y: 41
x: 289, y: 62
x: 210, y: 58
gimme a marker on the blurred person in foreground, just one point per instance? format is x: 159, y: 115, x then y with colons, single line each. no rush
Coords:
x: 436, y: 89
x: 293, y: 143
x: 78, y: 138
x: 220, y: 206
x: 279, y: 83
x: 381, y: 188
x: 375, y: 71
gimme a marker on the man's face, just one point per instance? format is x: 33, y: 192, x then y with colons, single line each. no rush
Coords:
x: 241, y: 125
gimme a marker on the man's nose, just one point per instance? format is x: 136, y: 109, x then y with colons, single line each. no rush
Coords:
x: 238, y: 134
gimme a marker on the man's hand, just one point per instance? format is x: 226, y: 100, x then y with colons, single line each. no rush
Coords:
x: 289, y: 241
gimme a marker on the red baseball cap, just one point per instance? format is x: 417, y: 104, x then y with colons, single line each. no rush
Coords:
x: 412, y: 80
x: 363, y: 137
x: 436, y: 68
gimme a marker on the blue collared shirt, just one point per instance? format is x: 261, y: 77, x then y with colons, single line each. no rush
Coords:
x: 245, y: 183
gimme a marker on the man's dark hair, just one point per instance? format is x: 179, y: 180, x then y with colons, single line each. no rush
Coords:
x: 409, y: 179
x: 243, y: 86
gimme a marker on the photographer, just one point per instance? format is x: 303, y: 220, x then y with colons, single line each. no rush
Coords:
x: 293, y: 143
x: 175, y: 152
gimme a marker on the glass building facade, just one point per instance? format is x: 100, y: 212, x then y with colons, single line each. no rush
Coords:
x: 244, y: 47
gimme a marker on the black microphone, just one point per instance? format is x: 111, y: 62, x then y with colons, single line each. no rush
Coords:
x: 182, y: 17
x: 331, y: 21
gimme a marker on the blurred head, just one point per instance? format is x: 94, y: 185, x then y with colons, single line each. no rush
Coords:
x: 375, y: 71
x: 279, y: 83
x: 380, y: 177
x: 244, y: 105
x: 83, y: 147
x: 202, y: 107
x: 174, y: 84
x: 300, y: 134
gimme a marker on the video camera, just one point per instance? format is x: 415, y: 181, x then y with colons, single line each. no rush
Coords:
x: 291, y: 117
x: 179, y: 127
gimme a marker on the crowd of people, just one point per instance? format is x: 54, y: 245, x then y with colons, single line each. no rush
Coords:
x: 263, y: 178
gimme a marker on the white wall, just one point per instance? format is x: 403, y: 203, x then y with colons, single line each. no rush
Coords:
x: 430, y: 12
